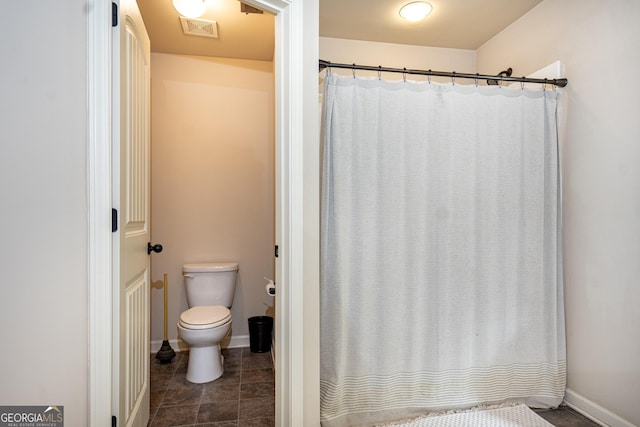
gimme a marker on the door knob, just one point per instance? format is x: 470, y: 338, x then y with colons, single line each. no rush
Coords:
x: 155, y: 248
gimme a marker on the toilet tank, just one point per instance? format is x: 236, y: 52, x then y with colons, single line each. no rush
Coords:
x: 211, y: 283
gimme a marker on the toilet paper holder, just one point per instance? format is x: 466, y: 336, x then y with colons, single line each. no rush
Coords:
x: 271, y: 286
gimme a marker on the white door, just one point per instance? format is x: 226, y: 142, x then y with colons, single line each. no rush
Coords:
x: 131, y: 307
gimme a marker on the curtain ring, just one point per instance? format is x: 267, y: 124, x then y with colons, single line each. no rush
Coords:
x: 353, y: 70
x: 544, y: 85
x: 522, y: 83
x: 476, y: 79
x: 429, y: 76
x: 404, y: 74
x: 453, y: 78
x: 379, y: 72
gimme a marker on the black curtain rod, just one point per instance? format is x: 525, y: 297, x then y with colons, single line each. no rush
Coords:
x: 503, y: 76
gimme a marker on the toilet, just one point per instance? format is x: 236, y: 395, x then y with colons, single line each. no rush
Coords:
x: 210, y: 288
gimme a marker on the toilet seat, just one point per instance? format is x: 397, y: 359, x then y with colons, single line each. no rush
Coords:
x: 205, y: 317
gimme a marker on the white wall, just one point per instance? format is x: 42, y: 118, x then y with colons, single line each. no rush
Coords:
x: 598, y: 42
x: 43, y: 184
x: 212, y: 161
x: 396, y: 56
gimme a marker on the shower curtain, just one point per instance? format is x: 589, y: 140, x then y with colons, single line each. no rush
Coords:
x: 441, y: 281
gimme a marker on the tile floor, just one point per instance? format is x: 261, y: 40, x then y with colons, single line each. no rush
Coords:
x: 566, y: 417
x: 244, y: 395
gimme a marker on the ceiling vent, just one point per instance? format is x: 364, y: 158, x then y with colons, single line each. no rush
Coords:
x: 199, y: 27
x: 245, y: 8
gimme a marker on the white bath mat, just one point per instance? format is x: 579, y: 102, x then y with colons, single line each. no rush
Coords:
x: 510, y: 416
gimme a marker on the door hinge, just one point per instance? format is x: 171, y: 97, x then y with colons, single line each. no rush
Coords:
x: 114, y: 15
x: 114, y: 220
x: 114, y: 421
x: 276, y: 251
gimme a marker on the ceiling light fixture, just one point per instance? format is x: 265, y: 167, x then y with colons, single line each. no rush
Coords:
x: 190, y: 8
x: 415, y: 11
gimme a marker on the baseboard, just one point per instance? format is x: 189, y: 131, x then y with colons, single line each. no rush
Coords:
x: 236, y: 341
x: 593, y: 411
x: 178, y: 345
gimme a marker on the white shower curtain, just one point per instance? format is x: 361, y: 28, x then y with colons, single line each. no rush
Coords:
x: 441, y: 280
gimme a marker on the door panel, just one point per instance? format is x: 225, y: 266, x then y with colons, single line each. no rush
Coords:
x: 132, y: 352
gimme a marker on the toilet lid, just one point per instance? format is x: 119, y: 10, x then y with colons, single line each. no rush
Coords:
x: 205, y: 317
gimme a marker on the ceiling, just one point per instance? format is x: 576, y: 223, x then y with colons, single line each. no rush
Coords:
x: 459, y: 24
x: 240, y: 35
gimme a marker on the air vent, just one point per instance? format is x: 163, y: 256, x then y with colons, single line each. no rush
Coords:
x: 199, y: 27
x: 245, y: 8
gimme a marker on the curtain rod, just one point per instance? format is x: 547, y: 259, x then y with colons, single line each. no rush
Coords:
x: 493, y: 80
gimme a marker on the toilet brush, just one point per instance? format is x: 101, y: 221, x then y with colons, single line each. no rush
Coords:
x: 166, y: 353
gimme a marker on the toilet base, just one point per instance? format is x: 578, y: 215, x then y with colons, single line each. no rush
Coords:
x: 205, y: 364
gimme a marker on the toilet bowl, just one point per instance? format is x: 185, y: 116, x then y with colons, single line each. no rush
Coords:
x: 202, y: 328
x: 209, y: 289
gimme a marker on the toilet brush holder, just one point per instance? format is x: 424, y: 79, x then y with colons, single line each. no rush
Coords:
x: 166, y: 353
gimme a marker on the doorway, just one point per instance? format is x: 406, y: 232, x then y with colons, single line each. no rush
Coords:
x: 297, y: 382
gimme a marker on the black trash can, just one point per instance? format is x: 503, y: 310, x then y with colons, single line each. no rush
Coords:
x: 260, y: 333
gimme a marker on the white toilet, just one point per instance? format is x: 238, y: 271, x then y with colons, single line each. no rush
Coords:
x: 210, y: 288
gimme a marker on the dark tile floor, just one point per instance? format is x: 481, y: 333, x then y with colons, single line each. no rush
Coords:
x: 244, y: 396
x: 565, y: 417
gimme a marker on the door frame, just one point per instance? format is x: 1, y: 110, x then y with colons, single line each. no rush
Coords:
x: 99, y: 184
x: 296, y: 332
